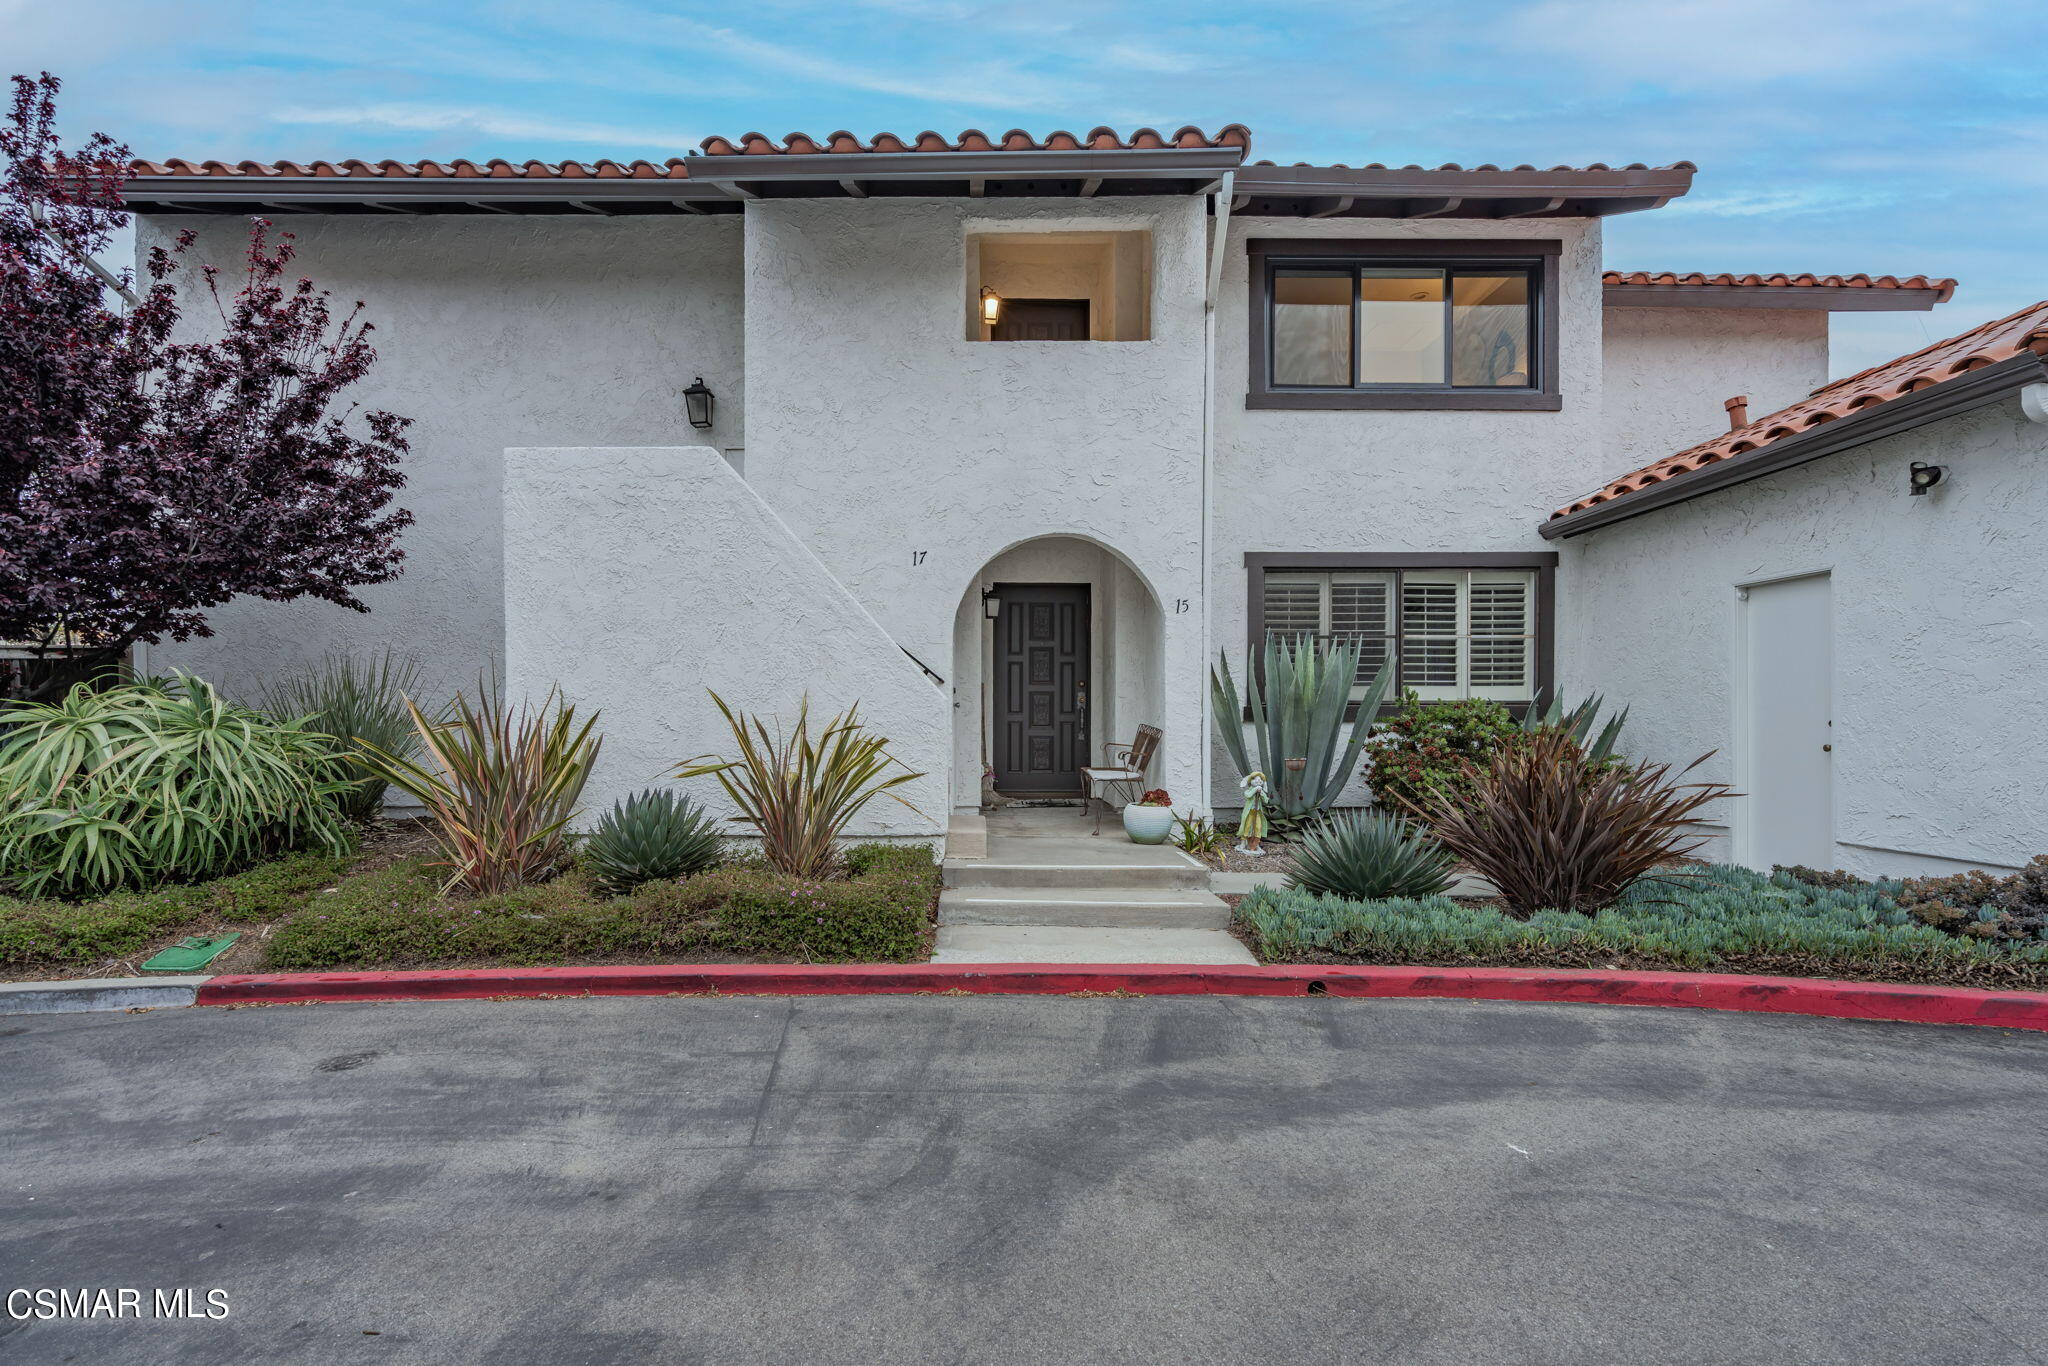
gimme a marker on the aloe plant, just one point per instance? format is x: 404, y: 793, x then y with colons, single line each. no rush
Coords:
x: 1297, y: 702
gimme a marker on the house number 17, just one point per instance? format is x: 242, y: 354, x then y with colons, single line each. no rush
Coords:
x: 917, y: 557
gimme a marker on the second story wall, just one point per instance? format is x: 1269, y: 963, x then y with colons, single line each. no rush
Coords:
x: 1669, y: 370
x: 907, y: 456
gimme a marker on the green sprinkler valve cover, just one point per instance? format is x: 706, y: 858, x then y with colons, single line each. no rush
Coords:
x: 191, y: 953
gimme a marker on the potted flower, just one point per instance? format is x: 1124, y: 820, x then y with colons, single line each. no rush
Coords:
x: 1149, y: 820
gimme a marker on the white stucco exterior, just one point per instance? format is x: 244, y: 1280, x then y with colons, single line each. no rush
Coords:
x: 1940, y: 636
x: 1667, y: 372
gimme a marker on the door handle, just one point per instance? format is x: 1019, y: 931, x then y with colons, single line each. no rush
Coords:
x: 1827, y: 749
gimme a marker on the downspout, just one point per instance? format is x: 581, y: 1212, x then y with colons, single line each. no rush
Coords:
x: 1225, y: 191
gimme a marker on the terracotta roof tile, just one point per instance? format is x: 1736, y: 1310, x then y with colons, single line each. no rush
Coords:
x: 1944, y: 287
x: 673, y: 169
x: 2000, y: 339
x: 974, y: 140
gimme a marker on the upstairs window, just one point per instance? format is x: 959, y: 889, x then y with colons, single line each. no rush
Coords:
x: 1402, y: 325
x: 1449, y: 631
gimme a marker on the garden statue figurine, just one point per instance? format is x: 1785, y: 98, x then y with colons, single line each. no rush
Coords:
x: 1251, y: 826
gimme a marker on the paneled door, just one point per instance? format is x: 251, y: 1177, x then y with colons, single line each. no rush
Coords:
x: 1040, y: 695
x: 1787, y: 710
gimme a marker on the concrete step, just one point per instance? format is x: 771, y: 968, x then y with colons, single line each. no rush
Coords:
x: 1069, y: 944
x: 1129, y: 908
x: 967, y: 835
x: 992, y: 872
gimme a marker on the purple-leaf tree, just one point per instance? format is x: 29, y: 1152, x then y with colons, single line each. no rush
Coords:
x: 152, y: 467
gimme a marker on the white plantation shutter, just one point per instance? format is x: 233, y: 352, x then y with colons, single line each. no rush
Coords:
x: 1432, y: 633
x: 1294, y: 605
x: 1362, y: 610
x: 1501, y: 652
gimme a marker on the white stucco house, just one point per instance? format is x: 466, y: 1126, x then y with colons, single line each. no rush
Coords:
x: 1009, y: 437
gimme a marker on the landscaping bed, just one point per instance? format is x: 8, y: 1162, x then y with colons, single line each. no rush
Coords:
x: 383, y: 908
x: 1719, y: 919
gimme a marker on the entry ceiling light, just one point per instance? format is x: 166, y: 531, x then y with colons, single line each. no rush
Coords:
x: 698, y: 399
x: 991, y: 306
x: 991, y: 605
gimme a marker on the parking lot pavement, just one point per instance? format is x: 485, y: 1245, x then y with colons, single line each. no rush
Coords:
x: 936, y: 1179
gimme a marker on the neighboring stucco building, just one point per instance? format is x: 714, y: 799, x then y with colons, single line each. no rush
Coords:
x: 1010, y: 437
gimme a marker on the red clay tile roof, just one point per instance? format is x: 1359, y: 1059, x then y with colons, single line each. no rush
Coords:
x: 1489, y: 166
x: 2000, y: 339
x: 974, y: 140
x: 672, y: 169
x: 1667, y: 277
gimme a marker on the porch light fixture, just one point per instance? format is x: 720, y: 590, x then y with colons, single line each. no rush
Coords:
x: 697, y: 398
x: 991, y: 306
x: 1922, y: 476
x: 991, y: 605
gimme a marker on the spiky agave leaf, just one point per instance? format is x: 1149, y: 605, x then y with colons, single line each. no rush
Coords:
x: 1367, y: 857
x: 651, y: 836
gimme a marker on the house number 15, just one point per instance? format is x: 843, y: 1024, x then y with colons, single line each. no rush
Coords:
x: 1180, y: 606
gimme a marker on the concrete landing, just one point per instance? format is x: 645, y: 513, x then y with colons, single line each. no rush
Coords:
x: 1049, y: 891
x: 1072, y: 944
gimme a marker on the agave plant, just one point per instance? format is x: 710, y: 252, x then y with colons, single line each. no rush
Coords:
x: 799, y: 793
x: 1297, y: 702
x: 1364, y: 857
x: 158, y: 781
x: 500, y: 782
x: 359, y: 702
x: 1551, y: 832
x: 650, y: 837
x: 1578, y: 723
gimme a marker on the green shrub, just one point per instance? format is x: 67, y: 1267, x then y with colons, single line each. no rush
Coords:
x: 358, y: 702
x: 397, y: 918
x: 1366, y: 857
x: 51, y: 932
x: 649, y: 837
x: 1426, y: 746
x: 1835, y: 879
x: 1975, y: 905
x: 1728, y: 919
x: 146, y: 783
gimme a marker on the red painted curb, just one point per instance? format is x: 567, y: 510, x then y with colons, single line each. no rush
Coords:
x: 1698, y: 990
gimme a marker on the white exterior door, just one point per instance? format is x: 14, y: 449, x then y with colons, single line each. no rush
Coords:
x: 1788, y: 654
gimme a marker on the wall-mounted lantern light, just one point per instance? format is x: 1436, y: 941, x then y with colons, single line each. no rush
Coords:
x: 991, y: 306
x: 991, y: 605
x: 697, y: 399
x: 1923, y: 476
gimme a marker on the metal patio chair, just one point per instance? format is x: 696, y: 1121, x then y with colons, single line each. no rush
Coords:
x: 1122, y: 772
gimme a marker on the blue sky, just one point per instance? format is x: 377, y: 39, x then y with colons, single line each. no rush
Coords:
x: 1888, y: 136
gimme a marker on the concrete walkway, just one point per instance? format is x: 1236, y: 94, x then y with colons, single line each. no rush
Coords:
x: 1048, y: 891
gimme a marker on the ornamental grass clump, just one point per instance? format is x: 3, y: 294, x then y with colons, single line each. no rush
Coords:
x: 1551, y: 831
x: 161, y: 781
x: 1368, y: 857
x: 798, y: 792
x: 500, y: 782
x: 359, y: 702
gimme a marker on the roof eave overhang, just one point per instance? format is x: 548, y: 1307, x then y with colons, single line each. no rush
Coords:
x: 409, y: 194
x: 1332, y: 191
x: 1161, y: 170
x: 1985, y: 385
x: 1822, y: 298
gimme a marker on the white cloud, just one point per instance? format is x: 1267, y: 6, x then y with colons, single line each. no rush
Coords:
x: 489, y: 122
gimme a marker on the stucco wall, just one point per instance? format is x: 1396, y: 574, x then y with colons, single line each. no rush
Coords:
x: 1669, y: 370
x: 909, y: 457
x: 1940, y: 638
x: 698, y: 587
x: 1290, y: 480
x: 491, y: 332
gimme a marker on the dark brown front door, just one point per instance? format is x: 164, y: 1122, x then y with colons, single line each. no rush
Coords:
x: 1043, y: 320
x: 1041, y: 687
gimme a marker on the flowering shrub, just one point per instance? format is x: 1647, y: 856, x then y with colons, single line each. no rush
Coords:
x: 1156, y: 797
x: 1426, y: 745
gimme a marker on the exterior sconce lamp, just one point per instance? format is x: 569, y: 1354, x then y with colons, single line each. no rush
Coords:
x: 697, y: 399
x: 991, y: 306
x: 991, y: 605
x: 1923, y: 476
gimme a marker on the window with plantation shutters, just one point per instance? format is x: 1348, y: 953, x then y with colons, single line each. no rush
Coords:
x: 1450, y: 633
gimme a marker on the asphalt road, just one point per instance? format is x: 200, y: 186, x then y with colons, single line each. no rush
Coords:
x: 1033, y: 1180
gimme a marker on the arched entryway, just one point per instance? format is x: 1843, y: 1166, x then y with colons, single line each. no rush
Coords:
x: 1058, y: 649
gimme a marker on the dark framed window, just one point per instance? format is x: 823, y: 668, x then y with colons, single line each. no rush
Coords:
x: 1403, y: 324
x: 1472, y: 625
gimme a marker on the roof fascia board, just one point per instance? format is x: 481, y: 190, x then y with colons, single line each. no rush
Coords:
x: 1827, y: 298
x: 1331, y: 181
x: 151, y: 190
x: 1973, y: 390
